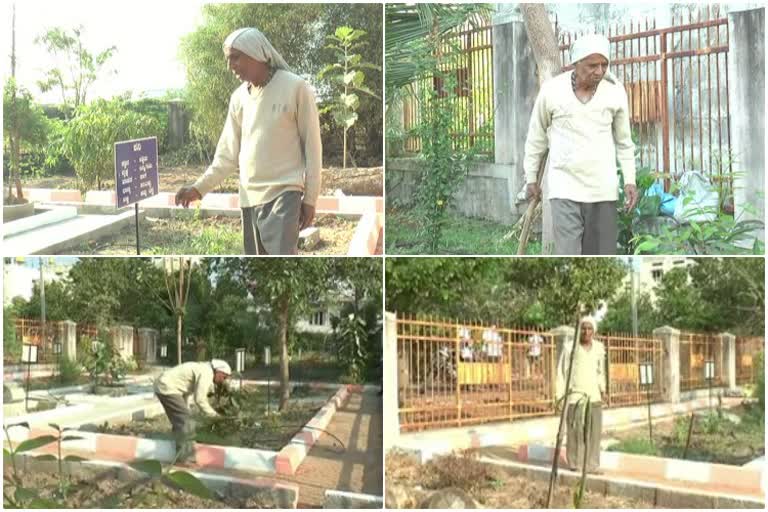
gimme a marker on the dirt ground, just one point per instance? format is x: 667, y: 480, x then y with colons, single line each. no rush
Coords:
x: 215, y: 235
x: 354, y: 181
x: 490, y: 485
x: 110, y: 493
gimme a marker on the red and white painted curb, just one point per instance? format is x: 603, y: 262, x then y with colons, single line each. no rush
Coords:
x: 128, y: 448
x: 738, y: 478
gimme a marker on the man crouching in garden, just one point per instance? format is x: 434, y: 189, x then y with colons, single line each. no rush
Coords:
x: 587, y: 385
x: 176, y: 387
x: 272, y: 135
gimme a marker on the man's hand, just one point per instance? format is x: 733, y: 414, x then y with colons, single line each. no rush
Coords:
x: 306, y: 216
x: 186, y: 195
x: 533, y: 191
x: 630, y: 197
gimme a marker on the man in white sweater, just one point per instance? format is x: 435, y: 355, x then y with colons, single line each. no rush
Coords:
x: 582, y: 117
x: 177, y: 387
x: 588, y: 381
x: 272, y: 135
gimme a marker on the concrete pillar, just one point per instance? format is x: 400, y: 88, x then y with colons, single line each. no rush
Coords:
x: 67, y: 336
x: 148, y: 344
x: 122, y: 338
x: 746, y: 100
x: 728, y: 341
x: 670, y: 374
x: 563, y: 338
x: 178, y: 124
x: 390, y: 383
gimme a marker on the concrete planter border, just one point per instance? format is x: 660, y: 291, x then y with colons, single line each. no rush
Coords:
x: 128, y: 448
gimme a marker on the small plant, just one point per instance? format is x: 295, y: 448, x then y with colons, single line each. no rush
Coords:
x: 105, y: 365
x: 348, y: 74
x: 69, y: 371
x: 461, y: 471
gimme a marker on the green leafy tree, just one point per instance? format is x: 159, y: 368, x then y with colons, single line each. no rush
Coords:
x: 11, y: 345
x: 349, y: 78
x: 92, y: 133
x: 57, y: 302
x: 79, y: 67
x: 24, y: 126
x: 680, y: 304
x: 288, y: 285
x: 618, y: 318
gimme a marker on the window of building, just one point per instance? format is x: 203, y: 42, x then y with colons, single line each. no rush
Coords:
x: 317, y: 318
x: 657, y: 274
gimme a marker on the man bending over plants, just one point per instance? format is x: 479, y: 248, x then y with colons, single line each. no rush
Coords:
x: 175, y: 387
x: 272, y: 135
x: 587, y: 386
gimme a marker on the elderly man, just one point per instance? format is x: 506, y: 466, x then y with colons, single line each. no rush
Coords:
x: 587, y: 384
x: 178, y: 386
x: 582, y: 116
x: 272, y: 135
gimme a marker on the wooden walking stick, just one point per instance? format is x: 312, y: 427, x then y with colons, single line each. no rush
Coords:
x: 525, y: 232
x: 559, y: 441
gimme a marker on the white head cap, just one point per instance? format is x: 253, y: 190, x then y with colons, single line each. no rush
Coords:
x: 220, y: 365
x: 589, y: 45
x: 253, y: 43
x: 589, y: 320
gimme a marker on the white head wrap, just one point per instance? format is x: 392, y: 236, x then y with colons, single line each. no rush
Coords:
x: 220, y: 365
x: 589, y: 320
x: 253, y: 43
x: 589, y: 45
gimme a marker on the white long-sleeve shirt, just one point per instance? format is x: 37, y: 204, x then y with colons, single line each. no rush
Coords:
x: 587, y: 375
x: 190, y: 380
x: 584, y: 140
x: 272, y: 134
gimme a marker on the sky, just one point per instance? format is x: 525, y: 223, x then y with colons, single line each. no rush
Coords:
x: 146, y: 35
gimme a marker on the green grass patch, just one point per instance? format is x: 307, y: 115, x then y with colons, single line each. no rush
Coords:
x: 715, y: 438
x: 461, y: 235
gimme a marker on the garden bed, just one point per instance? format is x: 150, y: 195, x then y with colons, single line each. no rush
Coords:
x: 461, y: 235
x: 255, y: 429
x: 714, y: 438
x: 491, y: 486
x: 210, y: 235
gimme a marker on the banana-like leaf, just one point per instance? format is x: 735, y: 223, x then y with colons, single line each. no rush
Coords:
x: 151, y: 467
x: 190, y: 483
x: 33, y: 444
x: 47, y: 456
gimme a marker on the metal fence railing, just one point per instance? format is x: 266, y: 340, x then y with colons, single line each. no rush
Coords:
x: 625, y: 354
x: 747, y: 348
x: 453, y: 374
x: 696, y: 350
x: 471, y: 66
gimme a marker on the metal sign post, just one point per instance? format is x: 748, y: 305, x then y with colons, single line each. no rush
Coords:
x: 240, y: 364
x: 29, y: 356
x: 136, y: 175
x: 646, y: 380
x: 709, y: 374
x: 267, y: 360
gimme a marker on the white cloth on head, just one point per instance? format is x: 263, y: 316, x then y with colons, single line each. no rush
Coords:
x: 589, y: 45
x: 222, y: 366
x: 589, y: 320
x: 253, y: 43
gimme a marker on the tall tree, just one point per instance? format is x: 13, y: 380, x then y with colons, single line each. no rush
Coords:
x: 178, y: 278
x: 287, y: 284
x: 79, y: 67
x: 618, y: 317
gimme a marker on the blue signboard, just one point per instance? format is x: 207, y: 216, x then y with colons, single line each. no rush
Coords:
x: 136, y: 170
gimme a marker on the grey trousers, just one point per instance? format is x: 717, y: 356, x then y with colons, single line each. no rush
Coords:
x: 273, y: 228
x: 584, y: 228
x: 182, y: 425
x: 575, y: 449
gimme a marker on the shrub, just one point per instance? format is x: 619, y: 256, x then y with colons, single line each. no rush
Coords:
x: 463, y: 471
x: 69, y: 371
x: 11, y: 345
x: 104, y: 363
x: 637, y: 445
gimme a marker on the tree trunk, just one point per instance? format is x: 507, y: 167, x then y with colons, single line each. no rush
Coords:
x: 282, y: 334
x: 179, y: 322
x: 543, y: 42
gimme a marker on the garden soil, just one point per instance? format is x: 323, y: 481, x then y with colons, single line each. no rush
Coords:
x: 492, y: 486
x: 353, y: 181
